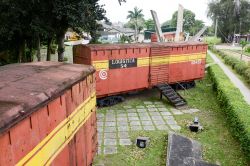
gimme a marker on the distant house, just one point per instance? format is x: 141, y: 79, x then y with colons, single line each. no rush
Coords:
x: 68, y: 35
x: 239, y: 37
x: 113, y: 33
x: 71, y: 36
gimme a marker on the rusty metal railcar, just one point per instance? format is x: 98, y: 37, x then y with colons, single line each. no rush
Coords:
x: 126, y: 67
x: 47, y: 114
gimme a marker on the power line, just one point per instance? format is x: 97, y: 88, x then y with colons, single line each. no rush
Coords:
x: 228, y: 41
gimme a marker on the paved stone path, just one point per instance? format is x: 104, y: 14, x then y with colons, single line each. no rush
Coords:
x: 235, y: 80
x: 114, y: 126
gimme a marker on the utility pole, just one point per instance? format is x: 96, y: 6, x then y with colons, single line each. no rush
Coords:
x: 234, y: 39
x: 240, y: 27
x: 216, y: 27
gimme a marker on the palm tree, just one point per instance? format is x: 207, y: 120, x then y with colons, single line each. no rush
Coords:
x: 136, y: 18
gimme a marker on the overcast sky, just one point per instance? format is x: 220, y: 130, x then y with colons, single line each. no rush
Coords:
x: 164, y: 8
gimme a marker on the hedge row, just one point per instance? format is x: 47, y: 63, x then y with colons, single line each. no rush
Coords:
x: 237, y: 111
x: 241, y: 67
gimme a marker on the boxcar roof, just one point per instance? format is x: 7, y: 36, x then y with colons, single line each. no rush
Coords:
x: 178, y: 44
x: 116, y: 46
x: 24, y: 88
x: 96, y: 47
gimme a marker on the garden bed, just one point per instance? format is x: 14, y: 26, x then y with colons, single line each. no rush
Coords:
x: 237, y: 111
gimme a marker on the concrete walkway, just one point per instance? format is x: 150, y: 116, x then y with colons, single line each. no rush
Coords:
x: 235, y: 80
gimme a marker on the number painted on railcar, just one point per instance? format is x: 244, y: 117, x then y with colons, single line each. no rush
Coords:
x: 122, y: 63
x: 194, y: 62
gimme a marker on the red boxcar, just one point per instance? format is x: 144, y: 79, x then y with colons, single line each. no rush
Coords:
x: 127, y: 67
x: 47, y: 114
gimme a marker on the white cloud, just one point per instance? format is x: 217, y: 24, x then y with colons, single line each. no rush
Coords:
x: 164, y: 8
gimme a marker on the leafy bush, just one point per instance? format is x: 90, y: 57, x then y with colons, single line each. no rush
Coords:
x: 241, y: 67
x: 212, y: 40
x: 247, y: 75
x: 124, y: 39
x: 237, y: 111
x: 65, y: 59
x: 53, y: 48
x: 230, y: 61
x: 247, y: 49
x: 238, y: 65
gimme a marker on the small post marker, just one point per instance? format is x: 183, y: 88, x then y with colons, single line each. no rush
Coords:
x: 142, y: 142
x: 195, y: 126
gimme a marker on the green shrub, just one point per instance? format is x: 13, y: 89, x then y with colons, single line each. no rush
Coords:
x: 65, y: 59
x: 222, y: 54
x: 241, y: 67
x: 212, y: 40
x: 237, y: 111
x: 230, y: 61
x: 247, y: 75
x: 247, y: 49
x: 53, y: 48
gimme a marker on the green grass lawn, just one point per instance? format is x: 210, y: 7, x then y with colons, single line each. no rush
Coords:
x: 218, y: 144
x: 154, y: 154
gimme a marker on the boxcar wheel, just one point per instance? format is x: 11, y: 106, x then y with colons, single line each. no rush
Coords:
x: 109, y: 101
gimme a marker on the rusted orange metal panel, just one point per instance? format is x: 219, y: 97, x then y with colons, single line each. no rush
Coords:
x: 49, y: 119
x: 175, y: 62
x: 81, y: 152
x: 120, y: 68
x: 6, y: 150
x: 127, y: 67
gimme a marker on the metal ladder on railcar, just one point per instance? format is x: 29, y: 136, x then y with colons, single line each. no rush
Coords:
x: 174, y: 98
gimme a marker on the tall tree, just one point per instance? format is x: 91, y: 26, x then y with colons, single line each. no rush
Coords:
x: 78, y: 15
x: 233, y: 17
x: 149, y: 24
x: 189, y: 20
x: 136, y: 18
x: 167, y: 23
x: 15, y: 26
x: 25, y: 23
x: 198, y: 25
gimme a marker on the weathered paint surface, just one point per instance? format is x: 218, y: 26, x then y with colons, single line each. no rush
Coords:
x: 55, y: 132
x: 123, y: 68
x: 47, y: 150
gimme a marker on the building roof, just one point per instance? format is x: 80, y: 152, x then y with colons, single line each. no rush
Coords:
x: 115, y: 29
